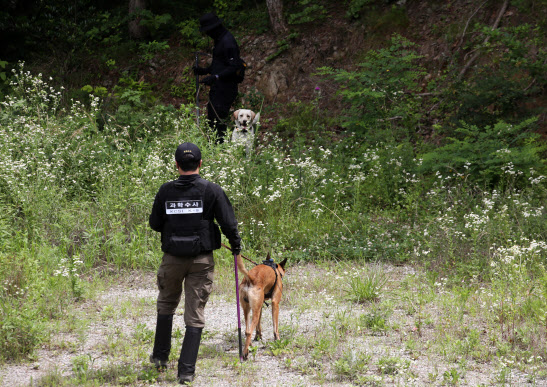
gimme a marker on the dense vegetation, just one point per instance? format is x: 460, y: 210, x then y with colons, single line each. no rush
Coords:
x: 461, y: 192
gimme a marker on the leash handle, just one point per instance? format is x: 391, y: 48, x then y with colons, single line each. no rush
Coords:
x: 238, y: 311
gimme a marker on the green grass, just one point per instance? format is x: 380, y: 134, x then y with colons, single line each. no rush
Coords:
x: 351, y: 364
x: 74, y: 205
x: 368, y: 286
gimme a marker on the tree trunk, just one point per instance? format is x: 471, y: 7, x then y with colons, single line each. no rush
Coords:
x: 136, y: 31
x: 275, y: 9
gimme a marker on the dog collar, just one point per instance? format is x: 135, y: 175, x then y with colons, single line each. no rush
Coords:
x: 273, y: 265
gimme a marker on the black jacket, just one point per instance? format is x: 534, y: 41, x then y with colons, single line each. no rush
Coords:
x: 171, y: 219
x: 226, y: 57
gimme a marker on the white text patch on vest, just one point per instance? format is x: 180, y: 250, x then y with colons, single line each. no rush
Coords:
x: 184, y: 207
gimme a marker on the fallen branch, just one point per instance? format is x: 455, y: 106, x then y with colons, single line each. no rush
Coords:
x: 474, y: 57
x: 533, y: 80
x: 469, y: 20
x: 391, y: 119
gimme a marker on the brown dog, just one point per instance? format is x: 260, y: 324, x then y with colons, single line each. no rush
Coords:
x: 262, y: 282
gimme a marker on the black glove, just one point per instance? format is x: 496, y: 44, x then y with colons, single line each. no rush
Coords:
x: 199, y: 70
x: 209, y: 80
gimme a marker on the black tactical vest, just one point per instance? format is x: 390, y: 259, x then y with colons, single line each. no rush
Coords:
x: 189, y: 229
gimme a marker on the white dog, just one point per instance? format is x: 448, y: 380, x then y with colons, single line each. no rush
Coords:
x: 244, y: 131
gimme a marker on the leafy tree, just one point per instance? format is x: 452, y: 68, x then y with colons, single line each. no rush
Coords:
x: 382, y: 92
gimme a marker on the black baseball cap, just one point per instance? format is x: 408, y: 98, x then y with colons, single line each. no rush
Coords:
x: 187, y: 148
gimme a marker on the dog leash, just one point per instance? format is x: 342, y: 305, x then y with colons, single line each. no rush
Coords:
x: 238, y: 311
x: 256, y: 264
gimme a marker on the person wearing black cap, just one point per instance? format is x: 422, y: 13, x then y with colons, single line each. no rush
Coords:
x: 184, y: 211
x: 223, y: 69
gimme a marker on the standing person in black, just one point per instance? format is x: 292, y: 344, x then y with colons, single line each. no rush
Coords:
x: 223, y: 68
x: 184, y: 212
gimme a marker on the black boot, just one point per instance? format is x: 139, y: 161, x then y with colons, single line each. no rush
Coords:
x: 162, y: 341
x: 189, y: 354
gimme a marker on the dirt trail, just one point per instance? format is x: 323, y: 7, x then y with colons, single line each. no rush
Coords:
x: 113, y: 324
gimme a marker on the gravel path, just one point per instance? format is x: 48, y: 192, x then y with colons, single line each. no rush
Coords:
x: 106, y: 323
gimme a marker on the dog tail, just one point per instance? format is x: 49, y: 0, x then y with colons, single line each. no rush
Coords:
x: 241, y: 267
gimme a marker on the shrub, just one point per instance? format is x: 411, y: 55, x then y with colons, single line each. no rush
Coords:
x: 307, y: 12
x: 156, y: 25
x: 500, y: 154
x: 20, y: 331
x: 355, y: 8
x: 382, y: 94
x: 502, y: 87
x: 149, y: 50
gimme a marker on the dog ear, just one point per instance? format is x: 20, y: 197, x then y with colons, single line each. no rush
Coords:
x: 268, y: 256
x: 283, y: 263
x: 236, y: 114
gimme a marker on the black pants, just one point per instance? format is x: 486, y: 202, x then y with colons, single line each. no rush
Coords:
x: 221, y: 97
